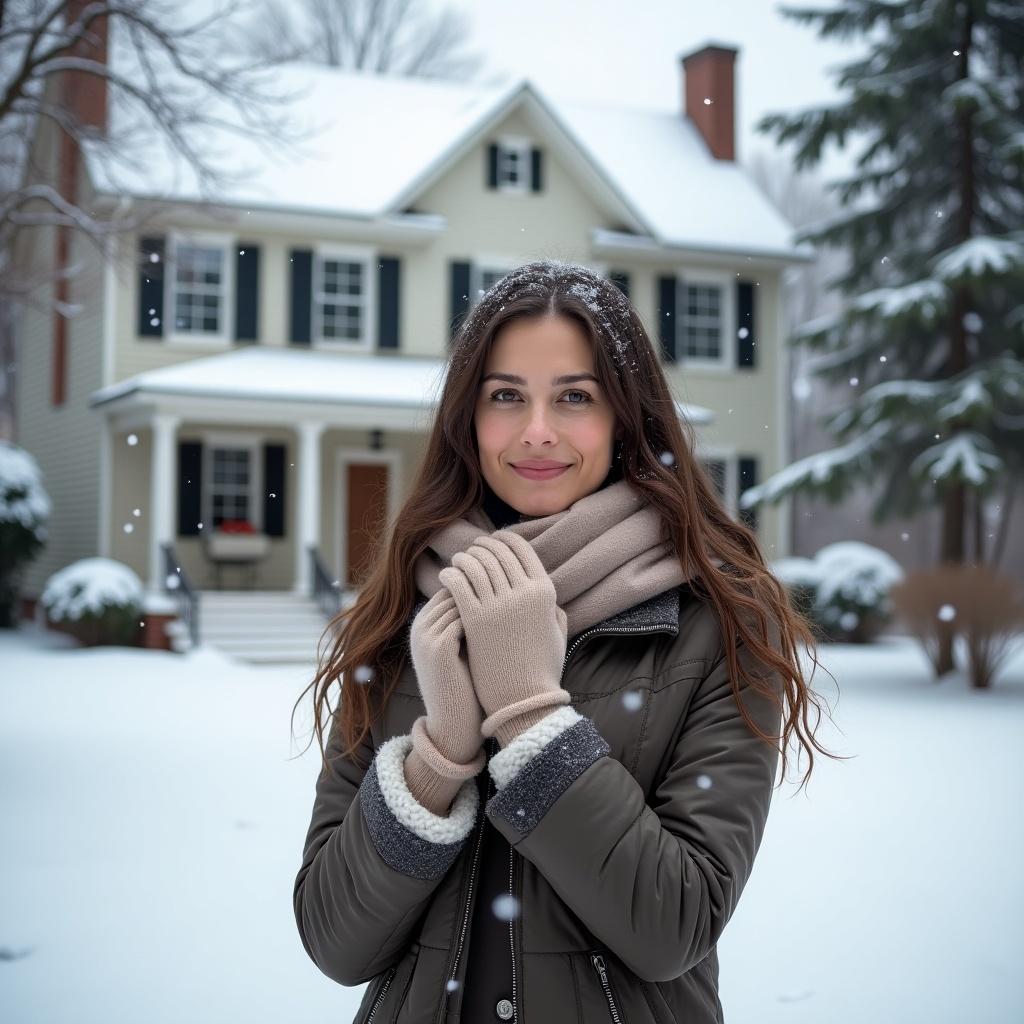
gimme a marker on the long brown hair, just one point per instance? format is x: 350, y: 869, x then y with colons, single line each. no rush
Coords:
x: 657, y: 456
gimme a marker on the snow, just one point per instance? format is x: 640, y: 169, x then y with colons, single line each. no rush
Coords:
x: 855, y: 571
x: 927, y: 298
x: 289, y: 374
x: 23, y: 499
x: 979, y: 255
x: 967, y: 456
x: 156, y: 807
x: 370, y: 144
x: 89, y: 586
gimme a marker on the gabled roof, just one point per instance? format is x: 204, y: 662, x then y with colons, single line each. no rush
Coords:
x: 376, y: 142
x: 287, y: 374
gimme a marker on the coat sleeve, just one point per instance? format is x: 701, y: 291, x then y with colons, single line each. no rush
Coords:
x: 372, y: 859
x: 656, y: 883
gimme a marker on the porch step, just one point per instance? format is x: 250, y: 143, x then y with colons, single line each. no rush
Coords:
x: 262, y: 627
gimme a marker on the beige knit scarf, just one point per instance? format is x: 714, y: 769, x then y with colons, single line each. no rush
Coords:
x: 604, y: 553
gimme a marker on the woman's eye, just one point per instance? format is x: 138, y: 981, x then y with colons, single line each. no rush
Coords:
x: 508, y: 391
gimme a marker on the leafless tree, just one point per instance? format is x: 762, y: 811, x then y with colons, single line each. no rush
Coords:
x: 112, y: 77
x: 398, y: 36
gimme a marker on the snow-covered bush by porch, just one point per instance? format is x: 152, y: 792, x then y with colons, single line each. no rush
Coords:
x: 100, y: 599
x: 844, y: 588
x: 24, y: 513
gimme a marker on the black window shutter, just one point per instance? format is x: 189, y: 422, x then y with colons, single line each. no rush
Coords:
x: 388, y: 290
x: 273, y: 490
x: 536, y: 169
x: 459, y: 277
x: 151, y: 287
x: 492, y: 165
x: 190, y: 488
x: 247, y: 292
x: 667, y: 330
x: 621, y: 280
x: 748, y: 479
x: 745, y: 343
x: 302, y: 295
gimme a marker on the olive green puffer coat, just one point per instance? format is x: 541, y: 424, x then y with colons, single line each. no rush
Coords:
x: 631, y: 818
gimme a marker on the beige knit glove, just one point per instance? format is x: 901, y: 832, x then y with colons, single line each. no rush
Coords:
x: 446, y: 741
x: 515, y: 632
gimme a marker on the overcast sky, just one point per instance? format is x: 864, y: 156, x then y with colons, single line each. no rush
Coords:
x: 628, y: 53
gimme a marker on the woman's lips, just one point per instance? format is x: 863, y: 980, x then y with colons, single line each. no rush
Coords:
x: 539, y: 474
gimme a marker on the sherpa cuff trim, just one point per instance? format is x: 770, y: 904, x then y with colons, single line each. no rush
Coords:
x: 508, y: 762
x: 408, y: 836
x: 546, y: 776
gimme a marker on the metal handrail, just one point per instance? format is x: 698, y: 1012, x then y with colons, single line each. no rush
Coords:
x: 326, y: 592
x: 182, y: 591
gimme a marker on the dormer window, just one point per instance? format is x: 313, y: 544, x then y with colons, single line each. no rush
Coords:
x: 514, y: 165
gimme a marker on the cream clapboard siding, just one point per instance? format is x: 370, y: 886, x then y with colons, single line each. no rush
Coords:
x: 555, y: 223
x: 64, y: 439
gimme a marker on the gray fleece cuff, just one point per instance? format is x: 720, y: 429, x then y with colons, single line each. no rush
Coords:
x: 408, y: 836
x: 534, y: 787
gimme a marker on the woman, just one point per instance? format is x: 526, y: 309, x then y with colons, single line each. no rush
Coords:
x: 543, y: 798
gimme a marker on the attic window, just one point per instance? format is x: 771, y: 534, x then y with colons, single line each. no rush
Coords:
x: 514, y: 165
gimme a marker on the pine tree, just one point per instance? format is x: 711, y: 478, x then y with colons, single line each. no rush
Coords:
x: 931, y: 335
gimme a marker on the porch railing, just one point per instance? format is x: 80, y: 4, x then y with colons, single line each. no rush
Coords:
x: 326, y: 591
x: 183, y: 592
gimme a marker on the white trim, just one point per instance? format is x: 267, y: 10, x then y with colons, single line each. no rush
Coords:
x: 726, y: 363
x: 522, y: 145
x: 367, y: 256
x: 342, y: 458
x: 253, y: 441
x: 227, y: 243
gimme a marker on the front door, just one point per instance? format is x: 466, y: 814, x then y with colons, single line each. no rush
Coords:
x: 366, y: 488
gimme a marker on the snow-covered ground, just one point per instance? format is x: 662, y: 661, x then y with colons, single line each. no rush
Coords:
x: 154, y: 807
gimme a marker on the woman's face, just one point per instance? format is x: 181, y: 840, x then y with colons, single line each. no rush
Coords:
x: 533, y: 417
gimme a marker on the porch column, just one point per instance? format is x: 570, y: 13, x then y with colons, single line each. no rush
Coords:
x: 307, y: 502
x: 161, y: 494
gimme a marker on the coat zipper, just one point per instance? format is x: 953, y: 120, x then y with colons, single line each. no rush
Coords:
x: 479, y: 841
x: 598, y: 961
x: 465, y: 914
x: 381, y: 995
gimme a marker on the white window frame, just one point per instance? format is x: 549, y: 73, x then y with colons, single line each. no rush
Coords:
x: 213, y: 239
x: 729, y: 455
x: 367, y: 256
x: 234, y: 439
x: 726, y: 360
x: 521, y: 145
x: 501, y: 264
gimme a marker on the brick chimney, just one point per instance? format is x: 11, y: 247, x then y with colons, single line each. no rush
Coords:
x: 82, y: 93
x: 708, y: 90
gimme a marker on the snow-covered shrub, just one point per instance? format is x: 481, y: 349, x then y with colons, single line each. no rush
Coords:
x: 24, y: 513
x: 97, y: 600
x: 852, y: 599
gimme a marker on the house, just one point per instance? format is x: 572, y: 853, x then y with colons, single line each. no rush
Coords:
x: 276, y: 362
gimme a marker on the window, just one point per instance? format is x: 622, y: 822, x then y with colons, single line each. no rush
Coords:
x: 341, y: 297
x: 231, y: 490
x: 706, y: 314
x: 702, y: 321
x: 199, y: 282
x: 514, y: 164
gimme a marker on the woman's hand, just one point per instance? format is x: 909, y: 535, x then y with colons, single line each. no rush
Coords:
x: 515, y: 631
x: 447, y: 744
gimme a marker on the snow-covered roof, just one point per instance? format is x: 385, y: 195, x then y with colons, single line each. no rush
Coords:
x: 376, y: 140
x: 285, y: 374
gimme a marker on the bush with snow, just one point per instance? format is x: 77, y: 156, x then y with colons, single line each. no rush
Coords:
x: 24, y: 514
x: 844, y: 589
x: 98, y: 600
